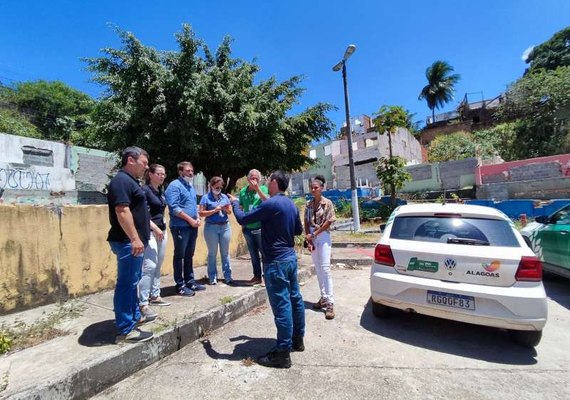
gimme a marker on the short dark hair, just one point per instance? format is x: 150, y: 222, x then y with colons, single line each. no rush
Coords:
x: 132, y: 151
x: 282, y: 179
x: 320, y: 179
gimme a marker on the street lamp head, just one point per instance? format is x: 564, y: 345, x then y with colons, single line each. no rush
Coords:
x: 349, y: 50
x: 338, y: 67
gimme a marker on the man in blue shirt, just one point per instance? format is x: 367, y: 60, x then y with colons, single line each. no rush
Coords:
x: 184, y: 222
x: 280, y: 223
x: 128, y: 236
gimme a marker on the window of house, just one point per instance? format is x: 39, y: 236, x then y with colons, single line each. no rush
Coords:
x: 327, y: 150
x: 313, y: 154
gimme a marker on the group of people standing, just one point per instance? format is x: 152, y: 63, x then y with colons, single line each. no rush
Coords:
x: 270, y: 221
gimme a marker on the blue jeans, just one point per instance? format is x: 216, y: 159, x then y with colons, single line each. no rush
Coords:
x: 218, y: 236
x: 184, y: 239
x: 286, y: 301
x: 253, y: 240
x: 125, y: 299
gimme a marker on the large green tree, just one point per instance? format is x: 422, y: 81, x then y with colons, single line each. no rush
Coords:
x: 553, y: 53
x: 539, y: 105
x: 57, y: 110
x: 440, y: 87
x: 208, y: 108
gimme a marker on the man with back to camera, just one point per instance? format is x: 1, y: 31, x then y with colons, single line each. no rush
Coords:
x: 128, y: 236
x: 280, y: 222
x: 184, y: 222
x: 250, y: 197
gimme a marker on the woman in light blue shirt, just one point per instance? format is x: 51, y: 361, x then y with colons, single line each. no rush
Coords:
x: 215, y: 207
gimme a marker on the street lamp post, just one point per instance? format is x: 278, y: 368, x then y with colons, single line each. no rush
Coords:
x: 342, y: 65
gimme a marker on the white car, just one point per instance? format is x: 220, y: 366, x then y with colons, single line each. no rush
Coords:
x: 460, y: 262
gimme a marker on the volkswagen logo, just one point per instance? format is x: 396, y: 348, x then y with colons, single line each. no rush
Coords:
x: 450, y: 263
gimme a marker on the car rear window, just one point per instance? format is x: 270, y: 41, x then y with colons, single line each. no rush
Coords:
x: 455, y: 230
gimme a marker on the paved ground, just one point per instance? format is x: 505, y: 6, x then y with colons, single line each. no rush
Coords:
x: 359, y: 356
x: 86, y: 360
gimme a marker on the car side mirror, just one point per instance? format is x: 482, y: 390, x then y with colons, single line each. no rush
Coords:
x: 382, y: 227
x: 542, y: 219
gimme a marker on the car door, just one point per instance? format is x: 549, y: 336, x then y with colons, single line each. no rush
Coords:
x: 555, y: 239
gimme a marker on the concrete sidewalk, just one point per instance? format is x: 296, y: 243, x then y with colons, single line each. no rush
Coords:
x: 85, y: 361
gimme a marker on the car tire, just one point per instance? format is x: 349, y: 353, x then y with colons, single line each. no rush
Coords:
x: 380, y: 310
x: 526, y: 338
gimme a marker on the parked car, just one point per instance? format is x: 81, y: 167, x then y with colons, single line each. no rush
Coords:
x: 460, y: 262
x: 549, y: 238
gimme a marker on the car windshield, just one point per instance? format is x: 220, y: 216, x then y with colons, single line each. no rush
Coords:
x: 454, y: 230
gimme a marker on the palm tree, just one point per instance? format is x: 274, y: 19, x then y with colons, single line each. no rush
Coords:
x: 440, y: 87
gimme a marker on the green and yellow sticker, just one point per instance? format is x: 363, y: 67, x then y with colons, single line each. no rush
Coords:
x: 422, y: 265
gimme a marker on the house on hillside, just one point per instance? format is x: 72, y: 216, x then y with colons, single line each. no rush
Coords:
x: 468, y: 117
x: 368, y: 146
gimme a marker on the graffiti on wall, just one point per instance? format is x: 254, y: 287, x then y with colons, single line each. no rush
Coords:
x: 23, y: 179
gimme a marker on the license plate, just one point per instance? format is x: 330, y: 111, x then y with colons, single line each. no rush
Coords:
x: 451, y: 300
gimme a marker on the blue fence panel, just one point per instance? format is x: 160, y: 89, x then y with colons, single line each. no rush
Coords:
x: 514, y: 208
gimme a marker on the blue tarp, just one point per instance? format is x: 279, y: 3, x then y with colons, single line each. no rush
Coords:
x: 514, y: 208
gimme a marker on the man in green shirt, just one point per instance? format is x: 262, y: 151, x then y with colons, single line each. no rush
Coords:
x: 249, y: 198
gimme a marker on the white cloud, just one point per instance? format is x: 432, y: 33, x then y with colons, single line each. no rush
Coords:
x: 526, y: 53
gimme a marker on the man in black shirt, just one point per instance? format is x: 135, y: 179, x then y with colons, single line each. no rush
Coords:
x: 128, y: 236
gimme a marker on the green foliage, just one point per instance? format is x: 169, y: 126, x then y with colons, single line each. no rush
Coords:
x: 205, y: 107
x: 344, y: 210
x: 392, y: 172
x: 550, y: 55
x: 5, y: 343
x: 455, y: 146
x: 57, y: 110
x: 499, y: 139
x: 15, y: 123
x: 390, y: 118
x: 440, y: 87
x: 539, y: 106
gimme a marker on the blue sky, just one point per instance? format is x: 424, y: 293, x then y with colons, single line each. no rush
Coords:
x: 396, y: 41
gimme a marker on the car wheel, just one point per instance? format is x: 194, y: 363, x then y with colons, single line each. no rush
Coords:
x: 526, y: 338
x: 380, y: 310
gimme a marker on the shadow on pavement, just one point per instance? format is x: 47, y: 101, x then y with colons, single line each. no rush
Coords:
x: 98, y: 334
x: 451, y: 337
x: 250, y: 348
x: 558, y: 289
x: 309, y: 307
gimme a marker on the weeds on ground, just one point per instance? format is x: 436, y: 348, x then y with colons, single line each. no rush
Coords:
x: 4, y: 382
x: 20, y: 335
x: 226, y: 299
x: 247, y: 362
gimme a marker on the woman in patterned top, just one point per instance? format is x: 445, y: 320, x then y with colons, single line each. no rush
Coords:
x: 319, y: 216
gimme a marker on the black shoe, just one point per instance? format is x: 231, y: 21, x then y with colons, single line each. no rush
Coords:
x: 275, y: 359
x: 298, y: 344
x: 196, y: 287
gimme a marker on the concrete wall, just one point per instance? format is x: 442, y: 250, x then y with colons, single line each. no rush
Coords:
x: 53, y: 253
x: 535, y: 178
x: 34, y: 171
x: 450, y: 175
x: 32, y: 164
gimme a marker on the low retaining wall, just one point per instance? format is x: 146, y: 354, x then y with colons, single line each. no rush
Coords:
x: 53, y: 253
